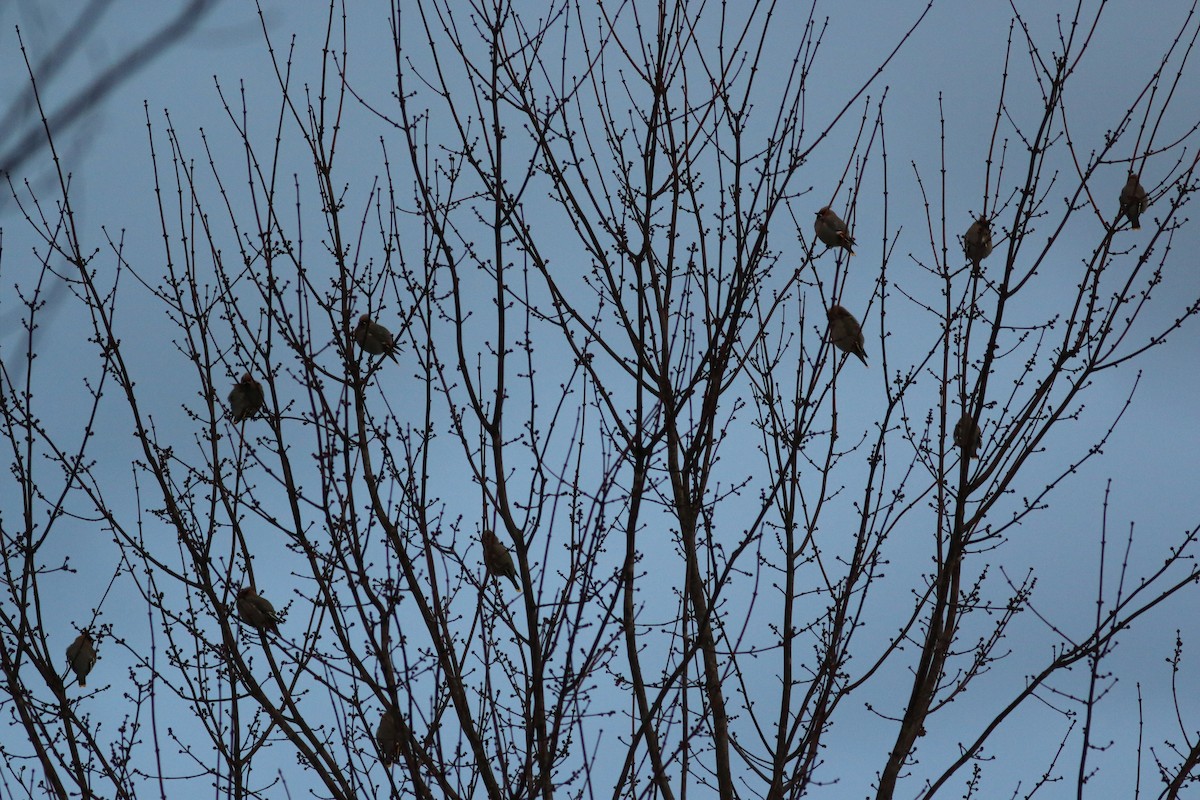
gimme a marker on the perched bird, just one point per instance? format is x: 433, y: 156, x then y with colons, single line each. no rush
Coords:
x: 497, y: 559
x: 246, y: 399
x: 386, y: 738
x: 977, y: 243
x: 832, y: 231
x: 1133, y: 201
x: 845, y: 333
x: 373, y: 338
x: 968, y: 437
x: 256, y: 611
x: 81, y: 655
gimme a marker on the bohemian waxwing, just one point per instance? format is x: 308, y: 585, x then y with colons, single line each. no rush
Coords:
x: 1133, y: 201
x: 832, y: 231
x: 81, y: 655
x: 386, y: 738
x: 497, y: 559
x: 246, y: 399
x: 373, y: 338
x: 968, y: 437
x: 845, y: 333
x: 256, y: 611
x: 977, y: 243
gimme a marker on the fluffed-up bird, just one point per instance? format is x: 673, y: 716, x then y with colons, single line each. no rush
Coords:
x: 257, y: 611
x: 246, y: 399
x: 845, y: 332
x: 1134, y: 200
x: 497, y: 559
x: 387, y: 739
x: 373, y: 338
x: 977, y: 243
x: 81, y: 655
x: 832, y: 231
x: 968, y: 437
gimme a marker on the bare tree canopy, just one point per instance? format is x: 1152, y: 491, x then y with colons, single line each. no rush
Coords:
x: 589, y: 399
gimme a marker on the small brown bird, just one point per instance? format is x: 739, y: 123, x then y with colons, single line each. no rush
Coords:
x: 1133, y: 201
x: 373, y: 338
x: 81, y: 655
x: 977, y: 243
x: 832, y: 231
x: 968, y: 437
x: 257, y: 611
x: 497, y: 559
x: 386, y: 738
x: 845, y: 332
x: 246, y: 399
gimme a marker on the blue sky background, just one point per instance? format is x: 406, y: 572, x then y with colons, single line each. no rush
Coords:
x: 957, y: 54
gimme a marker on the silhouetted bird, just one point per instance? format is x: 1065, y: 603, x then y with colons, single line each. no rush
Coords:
x: 968, y: 437
x: 256, y: 611
x: 1133, y: 201
x: 832, y: 231
x: 977, y: 243
x: 387, y: 739
x: 497, y: 559
x: 81, y: 655
x: 373, y: 338
x: 246, y: 399
x: 845, y: 332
